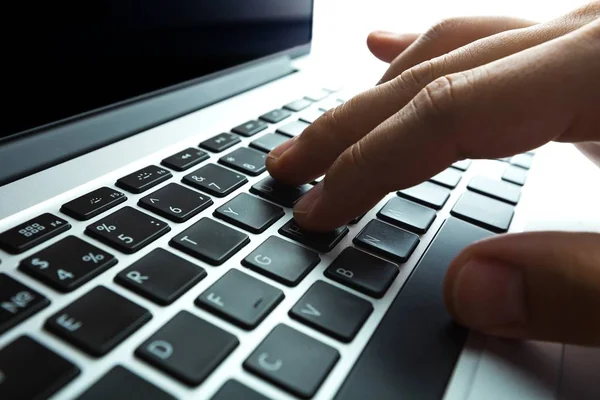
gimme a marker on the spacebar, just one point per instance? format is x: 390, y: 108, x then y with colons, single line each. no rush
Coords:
x: 414, y: 349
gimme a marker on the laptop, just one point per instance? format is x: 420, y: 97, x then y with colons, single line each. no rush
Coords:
x: 145, y: 252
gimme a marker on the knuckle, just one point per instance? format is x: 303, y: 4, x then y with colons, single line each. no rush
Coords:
x: 436, y: 99
x: 442, y: 28
x: 419, y: 76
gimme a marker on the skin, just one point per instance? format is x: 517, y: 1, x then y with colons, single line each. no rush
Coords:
x: 475, y: 88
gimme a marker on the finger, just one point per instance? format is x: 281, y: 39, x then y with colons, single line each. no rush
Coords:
x: 387, y: 45
x: 535, y: 285
x: 311, y: 154
x: 448, y: 35
x: 502, y: 108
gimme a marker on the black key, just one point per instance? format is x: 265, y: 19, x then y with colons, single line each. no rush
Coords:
x: 387, y: 240
x: 127, y: 230
x: 282, y: 261
x: 187, y: 348
x: 462, y: 165
x: 356, y: 220
x: 332, y: 311
x: 17, y: 303
x: 449, y: 178
x: 311, y: 116
x: 515, y: 175
x: 215, y: 180
x: 121, y: 383
x: 427, y: 193
x: 185, y: 159
x: 221, y: 142
x: 275, y: 116
x: 33, y: 232
x: 269, y: 142
x: 293, y: 361
x: 416, y: 341
x: 363, y: 272
x: 321, y: 241
x: 482, y: 211
x: 161, y: 276
x: 496, y: 189
x: 279, y: 193
x: 240, y: 299
x: 94, y: 203
x: 175, y: 202
x: 248, y: 161
x: 210, y: 241
x: 144, y: 179
x: 293, y: 128
x: 249, y: 213
x: 29, y: 371
x: 317, y: 95
x: 298, y: 105
x: 98, y: 321
x: 233, y: 390
x: 250, y: 128
x: 67, y: 264
x: 407, y: 215
x: 522, y: 160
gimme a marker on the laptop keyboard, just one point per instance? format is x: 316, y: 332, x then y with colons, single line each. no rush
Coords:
x: 188, y: 348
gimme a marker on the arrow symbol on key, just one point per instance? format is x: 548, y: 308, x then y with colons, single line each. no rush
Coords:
x: 154, y: 200
x: 310, y: 310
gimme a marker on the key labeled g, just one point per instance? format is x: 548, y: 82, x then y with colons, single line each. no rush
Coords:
x: 262, y: 260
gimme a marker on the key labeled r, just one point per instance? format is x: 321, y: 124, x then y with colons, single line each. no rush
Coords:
x: 136, y: 277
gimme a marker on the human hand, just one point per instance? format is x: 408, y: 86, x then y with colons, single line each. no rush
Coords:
x: 470, y: 88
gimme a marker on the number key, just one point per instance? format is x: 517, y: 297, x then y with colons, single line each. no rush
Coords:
x: 175, y: 202
x: 215, y: 180
x: 18, y: 302
x: 248, y: 161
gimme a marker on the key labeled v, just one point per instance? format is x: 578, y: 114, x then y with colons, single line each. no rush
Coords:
x: 309, y: 309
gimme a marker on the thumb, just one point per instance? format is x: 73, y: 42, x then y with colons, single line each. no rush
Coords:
x: 534, y: 285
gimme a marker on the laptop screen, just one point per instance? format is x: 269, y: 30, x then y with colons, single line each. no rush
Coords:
x: 61, y: 59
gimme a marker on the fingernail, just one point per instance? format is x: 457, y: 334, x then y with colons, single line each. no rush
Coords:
x: 489, y: 293
x: 308, y: 201
x: 282, y: 148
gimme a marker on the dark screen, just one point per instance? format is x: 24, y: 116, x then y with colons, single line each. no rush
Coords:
x: 64, y: 58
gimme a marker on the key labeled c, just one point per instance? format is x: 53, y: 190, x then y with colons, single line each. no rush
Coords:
x: 268, y: 365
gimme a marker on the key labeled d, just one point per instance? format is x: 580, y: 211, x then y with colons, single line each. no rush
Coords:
x: 161, y: 349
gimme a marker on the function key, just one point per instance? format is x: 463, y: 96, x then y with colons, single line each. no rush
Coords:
x: 279, y: 193
x: 269, y: 142
x: 221, y: 142
x: 250, y: 128
x: 29, y: 370
x: 275, y: 116
x: 67, y: 264
x: 406, y: 214
x: 496, y: 189
x: 282, y: 261
x: 185, y: 159
x: 427, y: 193
x: 94, y: 203
x: 187, y: 348
x: 127, y: 230
x: 98, y: 321
x: 144, y: 179
x: 175, y: 202
x: 363, y: 272
x: 311, y: 116
x: 480, y: 210
x: 293, y: 128
x: 232, y: 389
x: 249, y: 213
x: 215, y: 180
x: 121, y: 383
x: 298, y: 105
x: 449, y: 178
x: 33, y: 232
x: 332, y: 311
x: 240, y: 299
x: 387, y: 240
x: 317, y: 95
x: 248, y: 161
x: 161, y: 276
x: 515, y: 175
x: 210, y: 241
x: 293, y: 361
x: 321, y: 241
x: 17, y: 303
x: 522, y: 160
x: 462, y: 165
